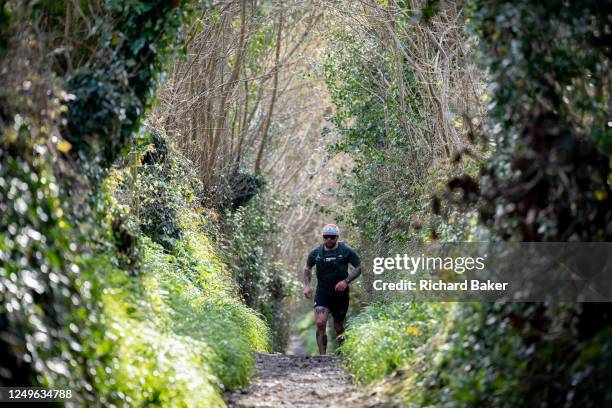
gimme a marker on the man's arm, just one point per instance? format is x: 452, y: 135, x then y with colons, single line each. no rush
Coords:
x: 307, y: 282
x: 307, y: 275
x: 343, y: 284
x: 358, y: 266
x: 354, y: 273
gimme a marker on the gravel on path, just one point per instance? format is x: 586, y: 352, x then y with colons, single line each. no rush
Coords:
x: 298, y: 380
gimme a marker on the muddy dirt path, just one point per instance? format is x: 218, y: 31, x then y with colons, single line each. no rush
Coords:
x: 298, y: 380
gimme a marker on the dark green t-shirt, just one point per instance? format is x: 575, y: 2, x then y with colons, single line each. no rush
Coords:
x: 332, y: 265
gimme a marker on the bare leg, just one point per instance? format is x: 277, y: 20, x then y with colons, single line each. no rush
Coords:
x: 339, y: 328
x: 321, y: 320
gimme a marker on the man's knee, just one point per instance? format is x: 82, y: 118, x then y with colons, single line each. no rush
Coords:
x: 321, y: 325
x: 321, y: 318
x: 321, y: 322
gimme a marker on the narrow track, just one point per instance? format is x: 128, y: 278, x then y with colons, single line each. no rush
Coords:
x: 297, y: 380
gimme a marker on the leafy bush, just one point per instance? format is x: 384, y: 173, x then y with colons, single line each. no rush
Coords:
x: 548, y: 179
x: 249, y: 246
x: 49, y: 293
x: 199, y: 302
x: 383, y: 337
x: 157, y: 367
x: 494, y: 354
x: 161, y: 189
x: 184, y: 286
x: 370, y: 129
x: 113, y: 89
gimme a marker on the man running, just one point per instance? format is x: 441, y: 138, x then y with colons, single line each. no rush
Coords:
x: 332, y: 295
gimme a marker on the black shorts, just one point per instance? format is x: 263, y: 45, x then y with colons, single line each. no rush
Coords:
x: 337, y: 303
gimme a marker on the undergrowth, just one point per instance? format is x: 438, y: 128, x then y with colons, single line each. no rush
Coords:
x: 383, y: 337
x: 183, y: 294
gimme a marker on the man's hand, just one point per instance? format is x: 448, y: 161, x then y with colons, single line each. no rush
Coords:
x: 341, y: 286
x: 308, y: 291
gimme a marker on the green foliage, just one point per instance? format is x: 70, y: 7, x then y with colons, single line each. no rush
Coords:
x: 549, y: 63
x: 244, y: 187
x: 171, y: 333
x: 305, y: 326
x: 80, y: 307
x: 492, y: 355
x: 113, y: 93
x: 250, y: 242
x: 160, y: 186
x: 204, y: 308
x: 171, y: 341
x: 48, y: 297
x: 157, y: 367
x: 480, y: 354
x: 384, y: 336
x: 548, y: 179
x: 185, y: 287
x: 394, y: 175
